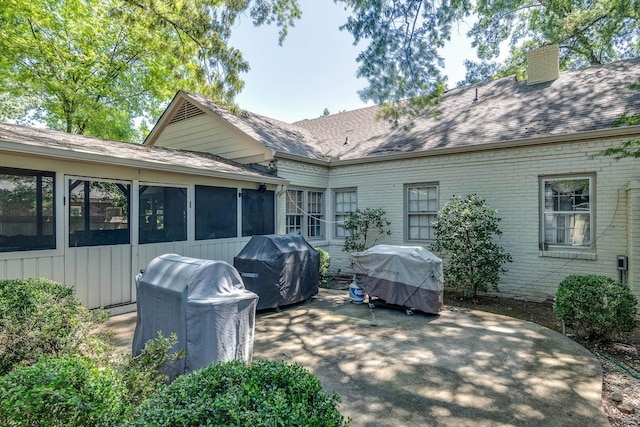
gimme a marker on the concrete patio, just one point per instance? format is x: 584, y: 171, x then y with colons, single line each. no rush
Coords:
x: 459, y: 368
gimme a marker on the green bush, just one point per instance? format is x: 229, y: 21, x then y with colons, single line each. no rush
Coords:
x: 325, y: 263
x: 145, y: 373
x: 67, y: 391
x: 364, y: 227
x: 465, y: 230
x: 595, y: 307
x: 41, y: 317
x: 262, y: 393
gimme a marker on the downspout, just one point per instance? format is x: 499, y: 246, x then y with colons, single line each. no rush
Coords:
x: 280, y: 189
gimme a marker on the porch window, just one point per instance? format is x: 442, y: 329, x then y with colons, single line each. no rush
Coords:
x: 216, y: 212
x: 345, y: 202
x: 422, y: 210
x: 567, y: 205
x: 27, y: 210
x: 258, y: 212
x: 163, y: 214
x: 305, y: 213
x: 98, y: 212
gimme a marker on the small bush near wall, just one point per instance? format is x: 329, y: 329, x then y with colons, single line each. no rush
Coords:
x: 262, y: 393
x: 325, y: 263
x: 595, y: 307
x: 41, y: 317
x: 67, y: 391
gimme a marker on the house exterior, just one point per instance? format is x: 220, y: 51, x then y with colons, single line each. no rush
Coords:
x: 92, y: 213
x: 531, y: 149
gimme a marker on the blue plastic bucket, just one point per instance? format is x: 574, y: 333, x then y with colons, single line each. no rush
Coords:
x: 356, y: 293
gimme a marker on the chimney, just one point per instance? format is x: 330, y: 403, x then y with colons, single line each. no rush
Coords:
x: 543, y: 64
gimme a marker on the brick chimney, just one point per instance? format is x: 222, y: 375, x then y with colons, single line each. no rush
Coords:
x: 543, y: 64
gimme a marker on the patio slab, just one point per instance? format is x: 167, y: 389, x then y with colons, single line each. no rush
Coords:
x: 459, y: 368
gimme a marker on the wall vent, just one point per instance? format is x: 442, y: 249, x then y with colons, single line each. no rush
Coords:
x: 185, y: 111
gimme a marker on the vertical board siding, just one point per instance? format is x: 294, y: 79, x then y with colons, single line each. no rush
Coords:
x: 100, y: 275
x: 49, y: 267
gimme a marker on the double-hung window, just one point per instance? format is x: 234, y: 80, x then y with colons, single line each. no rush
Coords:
x: 305, y: 213
x: 567, y: 211
x: 421, y: 201
x: 345, y: 203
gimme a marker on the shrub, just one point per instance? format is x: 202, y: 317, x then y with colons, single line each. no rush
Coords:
x: 595, y: 307
x: 362, y: 225
x: 41, y: 317
x: 239, y: 394
x: 67, y: 391
x: 145, y: 373
x: 325, y: 263
x: 464, y: 230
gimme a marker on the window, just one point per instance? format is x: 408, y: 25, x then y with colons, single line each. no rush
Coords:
x: 216, y: 212
x: 346, y: 202
x: 258, y: 212
x: 567, y: 211
x: 163, y: 214
x: 305, y: 213
x: 27, y: 220
x: 98, y: 212
x: 422, y: 210
x: 294, y: 212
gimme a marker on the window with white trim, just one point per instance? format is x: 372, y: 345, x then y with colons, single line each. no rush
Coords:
x: 567, y: 216
x: 305, y: 213
x: 421, y: 201
x: 345, y: 203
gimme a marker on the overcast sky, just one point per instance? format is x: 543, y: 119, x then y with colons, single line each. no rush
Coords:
x: 316, y: 66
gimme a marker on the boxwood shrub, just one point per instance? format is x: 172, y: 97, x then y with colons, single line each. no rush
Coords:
x: 42, y: 317
x: 263, y: 393
x: 595, y: 307
x: 66, y: 391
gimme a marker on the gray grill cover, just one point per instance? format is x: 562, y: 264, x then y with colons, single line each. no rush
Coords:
x: 204, y: 302
x: 408, y: 276
x: 282, y: 269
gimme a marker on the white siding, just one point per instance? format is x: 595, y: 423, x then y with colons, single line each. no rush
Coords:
x: 204, y: 134
x: 509, y: 180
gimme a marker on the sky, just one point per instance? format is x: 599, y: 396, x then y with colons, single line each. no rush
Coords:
x: 316, y: 66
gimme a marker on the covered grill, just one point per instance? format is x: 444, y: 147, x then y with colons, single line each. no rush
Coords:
x: 281, y: 269
x: 407, y: 276
x: 204, y: 302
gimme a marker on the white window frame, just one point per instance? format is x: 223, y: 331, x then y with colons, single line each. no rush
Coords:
x: 343, y: 208
x: 421, y: 213
x: 304, y: 215
x: 565, y: 229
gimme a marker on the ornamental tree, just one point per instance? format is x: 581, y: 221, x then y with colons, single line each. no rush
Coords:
x: 362, y: 226
x: 465, y: 230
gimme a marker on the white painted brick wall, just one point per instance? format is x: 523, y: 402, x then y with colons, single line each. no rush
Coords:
x: 509, y: 180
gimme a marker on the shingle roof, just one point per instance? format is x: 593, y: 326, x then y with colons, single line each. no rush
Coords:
x: 274, y: 134
x: 582, y: 100
x: 78, y: 146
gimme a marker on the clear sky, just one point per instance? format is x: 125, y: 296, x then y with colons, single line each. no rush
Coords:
x: 315, y: 68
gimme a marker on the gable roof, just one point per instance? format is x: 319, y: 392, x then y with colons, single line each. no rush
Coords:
x: 24, y: 139
x: 504, y: 110
x: 274, y: 134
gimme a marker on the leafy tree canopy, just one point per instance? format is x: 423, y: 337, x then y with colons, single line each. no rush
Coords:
x: 589, y: 32
x: 95, y: 66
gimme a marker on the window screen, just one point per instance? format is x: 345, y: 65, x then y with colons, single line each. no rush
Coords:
x: 27, y: 210
x: 98, y: 213
x: 258, y: 212
x: 163, y: 214
x: 216, y: 212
